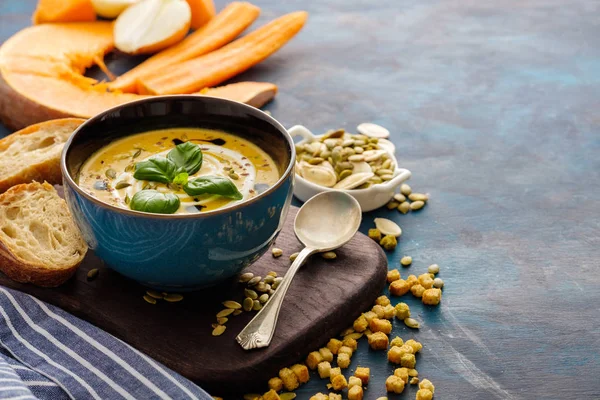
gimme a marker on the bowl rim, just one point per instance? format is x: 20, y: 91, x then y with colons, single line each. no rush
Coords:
x: 253, y: 110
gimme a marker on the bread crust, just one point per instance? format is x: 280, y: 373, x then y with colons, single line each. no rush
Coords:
x: 24, y: 271
x: 48, y: 170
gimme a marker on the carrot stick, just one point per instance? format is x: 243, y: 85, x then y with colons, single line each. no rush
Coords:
x: 256, y: 94
x: 220, y: 65
x: 219, y: 31
x: 202, y: 12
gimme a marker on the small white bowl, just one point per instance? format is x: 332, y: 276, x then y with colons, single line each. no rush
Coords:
x: 370, y: 198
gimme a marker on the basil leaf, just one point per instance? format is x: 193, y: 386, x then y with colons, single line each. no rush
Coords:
x: 188, y: 156
x: 212, y: 185
x: 181, y: 178
x: 156, y: 169
x: 153, y: 201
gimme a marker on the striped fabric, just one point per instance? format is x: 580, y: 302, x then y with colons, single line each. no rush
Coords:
x: 46, y: 353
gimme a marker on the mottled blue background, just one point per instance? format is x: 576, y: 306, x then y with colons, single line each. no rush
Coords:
x: 495, y: 108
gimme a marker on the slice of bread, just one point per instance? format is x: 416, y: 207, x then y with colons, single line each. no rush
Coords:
x: 39, y: 242
x: 33, y: 153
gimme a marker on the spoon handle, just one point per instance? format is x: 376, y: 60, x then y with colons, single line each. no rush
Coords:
x: 259, y: 332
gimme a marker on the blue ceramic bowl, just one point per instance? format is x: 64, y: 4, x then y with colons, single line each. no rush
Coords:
x: 180, y: 252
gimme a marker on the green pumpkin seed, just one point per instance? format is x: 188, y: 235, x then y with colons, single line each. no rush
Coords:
x: 325, y: 154
x: 405, y: 189
x: 250, y: 293
x: 263, y: 298
x: 293, y: 256
x: 122, y: 185
x: 406, y: 261
x: 222, y: 320
x: 154, y: 294
x: 237, y: 312
x: 254, y: 281
x: 92, y: 274
x: 418, y: 197
x: 299, y: 148
x: 129, y: 167
x: 412, y: 323
x: 149, y: 299
x: 272, y: 273
x: 375, y: 180
x: 345, y: 173
x: 392, y: 204
x: 384, y: 172
x: 386, y: 164
x: 365, y: 185
x: 173, y: 297
x: 246, y: 277
x: 404, y: 207
x: 233, y: 175
x: 386, y: 177
x: 277, y: 252
x: 433, y: 269
x: 416, y: 205
x: 269, y: 279
x: 263, y: 287
x: 348, y: 143
x: 256, y: 306
x: 336, y: 154
x: 316, y: 161
x: 218, y: 331
x: 306, y: 157
x: 248, y: 303
x: 359, y: 142
x: 359, y: 150
x: 347, y: 331
x: 137, y: 153
x: 225, y: 312
x: 127, y: 199
x: 232, y: 304
x: 287, y: 396
x: 329, y: 255
x: 400, y: 198
x: 111, y: 173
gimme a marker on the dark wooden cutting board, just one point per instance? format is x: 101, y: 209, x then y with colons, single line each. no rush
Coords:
x: 324, y: 298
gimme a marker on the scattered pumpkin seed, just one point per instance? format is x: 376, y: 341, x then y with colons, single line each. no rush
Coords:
x: 329, y: 255
x: 246, y: 277
x: 388, y: 227
x: 293, y: 256
x: 271, y: 291
x: 400, y: 198
x: 287, y: 396
x: 155, y: 294
x: 406, y: 261
x: 92, y: 274
x: 129, y: 167
x: 173, y: 297
x: 233, y: 175
x: 354, y: 335
x: 416, y: 205
x: 418, y: 197
x: 218, y: 331
x: 149, y: 299
x: 237, y: 312
x: 392, y: 204
x: 250, y: 293
x: 127, y: 199
x: 269, y: 279
x: 263, y: 298
x: 122, y: 185
x: 438, y: 283
x: 225, y: 312
x: 404, y: 207
x: 111, y: 173
x: 272, y: 273
x: 412, y: 323
x: 433, y: 269
x: 256, y: 306
x: 232, y: 304
x: 263, y: 287
x: 405, y: 189
x: 137, y: 153
x: 254, y: 281
x: 347, y: 331
x: 222, y: 320
x: 248, y: 303
x: 277, y: 252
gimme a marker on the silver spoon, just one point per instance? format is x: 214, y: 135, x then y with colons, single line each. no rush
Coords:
x: 324, y: 223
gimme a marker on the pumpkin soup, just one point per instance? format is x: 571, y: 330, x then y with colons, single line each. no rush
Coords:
x: 183, y: 170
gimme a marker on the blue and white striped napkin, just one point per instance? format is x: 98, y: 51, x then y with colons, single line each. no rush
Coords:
x: 46, y: 353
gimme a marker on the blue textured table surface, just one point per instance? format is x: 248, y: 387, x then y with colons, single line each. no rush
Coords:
x: 495, y: 110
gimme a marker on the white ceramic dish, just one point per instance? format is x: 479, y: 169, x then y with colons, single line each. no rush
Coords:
x: 369, y: 199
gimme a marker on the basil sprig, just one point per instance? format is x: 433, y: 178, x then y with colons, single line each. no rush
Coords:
x: 187, y: 155
x: 153, y: 201
x: 156, y: 169
x: 212, y: 185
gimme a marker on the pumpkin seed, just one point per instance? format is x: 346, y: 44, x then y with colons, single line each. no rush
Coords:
x: 348, y: 151
x: 336, y: 154
x: 433, y: 269
x: 269, y: 279
x: 405, y: 189
x: 344, y: 174
x: 373, y: 130
x: 233, y: 175
x: 250, y: 293
x: 272, y: 273
x: 277, y: 252
x: 278, y: 280
x: 438, y: 283
x: 392, y: 204
x: 347, y: 331
x: 129, y: 167
x: 375, y: 180
x: 418, y: 197
x: 232, y: 304
x: 214, y: 325
x: 337, y: 133
x: 329, y: 255
x: 225, y: 312
x: 248, y: 303
x: 256, y: 306
x: 356, y: 158
x: 386, y: 164
x: 254, y: 280
x: 316, y: 161
x: 299, y: 148
x: 237, y: 312
x: 388, y: 227
x: 127, y: 199
x: 387, y: 177
x: 111, y: 173
x: 404, y: 207
x: 347, y: 142
x: 412, y: 323
x: 382, y: 172
x: 155, y: 294
x: 406, y: 261
x: 330, y: 143
x: 173, y: 297
x: 122, y: 185
x: 343, y: 165
x: 218, y: 331
x: 149, y: 299
x: 293, y: 256
x: 92, y: 274
x: 325, y: 154
x: 416, y: 205
x: 246, y: 277
x: 222, y: 320
x: 400, y: 198
x: 287, y: 396
x: 263, y: 298
x: 359, y: 150
x: 263, y: 287
x: 137, y: 153
x: 355, y: 335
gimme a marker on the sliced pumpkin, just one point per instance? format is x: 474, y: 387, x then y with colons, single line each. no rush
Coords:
x: 64, y: 11
x: 202, y: 12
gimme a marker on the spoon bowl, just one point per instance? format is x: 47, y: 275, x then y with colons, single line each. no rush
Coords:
x: 325, y: 222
